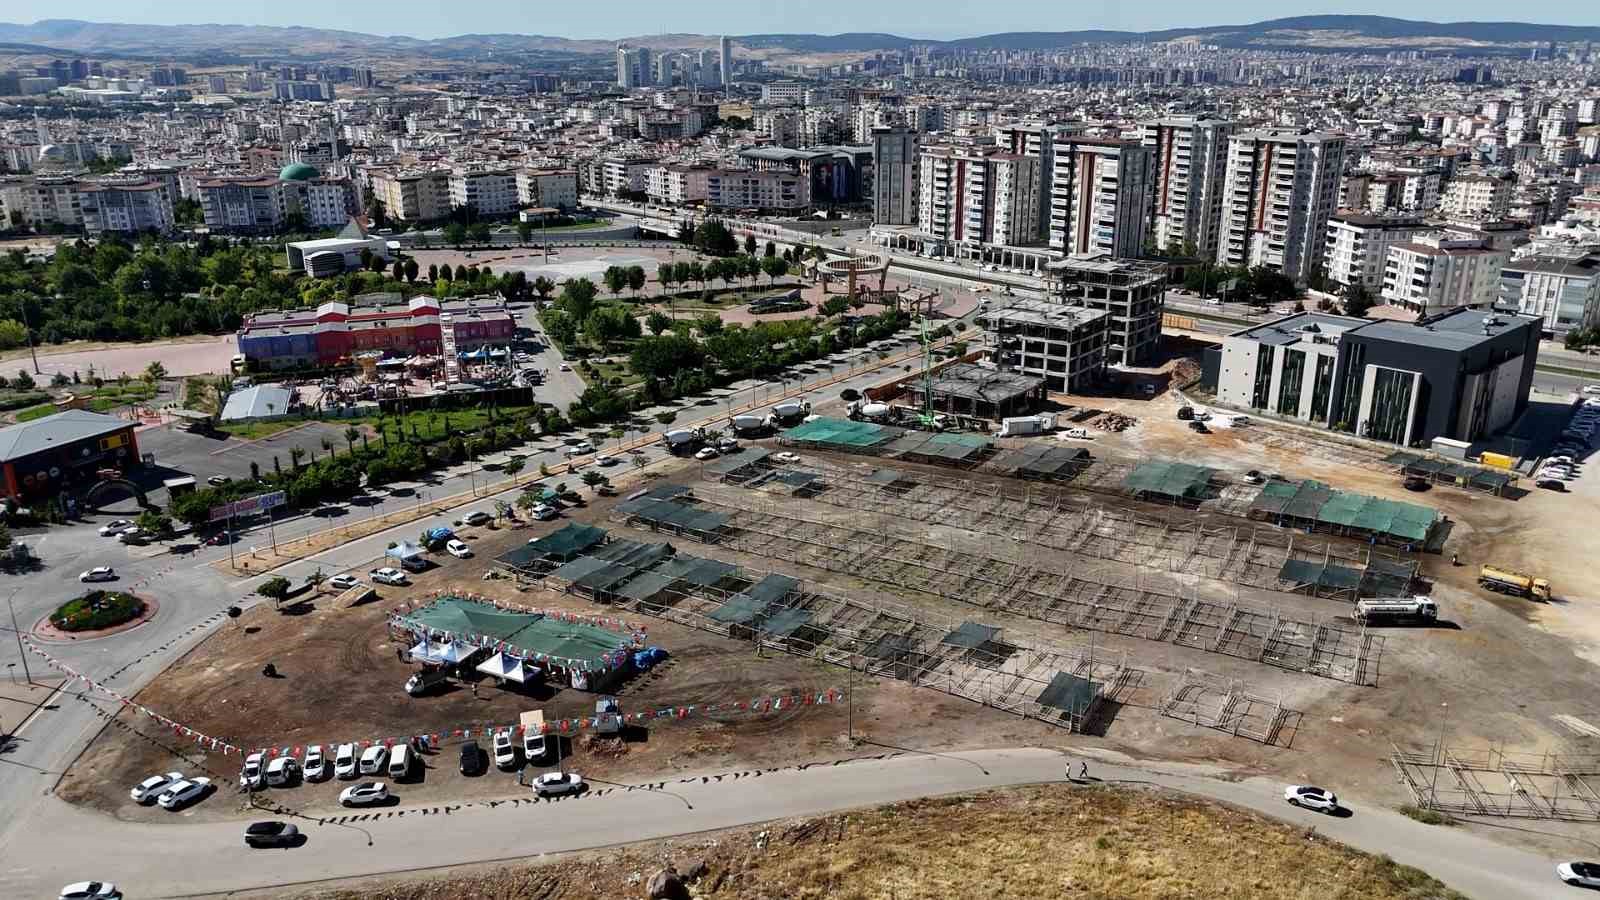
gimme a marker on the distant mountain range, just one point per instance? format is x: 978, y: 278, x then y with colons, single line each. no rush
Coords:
x: 1331, y: 32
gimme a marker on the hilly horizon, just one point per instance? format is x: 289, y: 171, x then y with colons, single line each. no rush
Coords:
x: 1317, y: 32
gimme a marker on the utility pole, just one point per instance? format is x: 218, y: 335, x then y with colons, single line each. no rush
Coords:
x: 27, y: 330
x: 17, y: 631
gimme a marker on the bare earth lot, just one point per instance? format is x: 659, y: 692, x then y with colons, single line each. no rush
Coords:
x: 1103, y: 843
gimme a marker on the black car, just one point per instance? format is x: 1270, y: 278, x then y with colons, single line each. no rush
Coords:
x: 1199, y: 427
x: 473, y: 760
x: 270, y: 834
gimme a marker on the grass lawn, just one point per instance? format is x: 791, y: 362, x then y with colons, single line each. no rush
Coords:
x: 97, y: 609
x: 619, y: 370
x: 35, y: 412
x: 252, y: 431
x: 587, y: 226
x: 430, y: 424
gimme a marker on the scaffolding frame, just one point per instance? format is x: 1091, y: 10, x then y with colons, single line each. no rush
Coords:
x: 891, y: 640
x: 1205, y: 700
x: 1033, y: 586
x: 1492, y: 782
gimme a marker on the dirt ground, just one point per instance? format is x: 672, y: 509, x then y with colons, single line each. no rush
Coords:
x: 1102, y: 843
x: 1498, y: 671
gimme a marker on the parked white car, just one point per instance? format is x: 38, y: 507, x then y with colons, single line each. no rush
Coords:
x: 373, y: 759
x: 149, y: 789
x: 579, y: 449
x: 388, y: 575
x: 343, y: 582
x: 554, y: 784
x: 505, y: 750
x: 705, y: 453
x: 344, y: 761
x: 114, y: 527
x: 544, y: 512
x: 786, y: 458
x: 1314, y: 798
x: 478, y: 518
x: 458, y: 549
x: 90, y: 890
x: 98, y: 573
x: 316, y: 767
x: 253, y: 774
x: 283, y: 771
x: 364, y: 794
x: 183, y: 793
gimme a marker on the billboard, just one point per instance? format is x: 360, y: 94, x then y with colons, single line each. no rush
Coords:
x: 247, y: 506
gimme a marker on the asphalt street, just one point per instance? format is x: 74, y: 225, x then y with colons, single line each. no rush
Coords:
x: 164, y: 860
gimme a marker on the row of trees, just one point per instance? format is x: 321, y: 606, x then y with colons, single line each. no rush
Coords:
x: 729, y: 269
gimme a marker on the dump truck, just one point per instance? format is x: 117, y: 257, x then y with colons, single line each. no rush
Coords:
x: 1398, y: 609
x: 1022, y: 426
x: 1518, y: 584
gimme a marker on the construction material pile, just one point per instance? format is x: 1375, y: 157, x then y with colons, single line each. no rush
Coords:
x: 1112, y: 421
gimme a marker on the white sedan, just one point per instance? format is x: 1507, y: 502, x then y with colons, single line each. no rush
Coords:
x: 1314, y: 798
x: 388, y: 575
x: 364, y: 794
x: 705, y: 453
x: 1591, y: 389
x: 344, y: 761
x: 114, y: 527
x: 458, y: 549
x: 253, y: 774
x: 183, y: 793
x: 90, y: 890
x: 149, y: 789
x: 787, y: 459
x: 1580, y: 874
x: 98, y: 573
x: 554, y: 784
x: 343, y: 582
x: 316, y: 766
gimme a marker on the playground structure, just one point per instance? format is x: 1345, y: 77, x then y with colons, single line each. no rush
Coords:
x: 853, y: 268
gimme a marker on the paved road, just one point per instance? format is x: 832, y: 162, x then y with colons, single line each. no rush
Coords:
x: 157, y: 860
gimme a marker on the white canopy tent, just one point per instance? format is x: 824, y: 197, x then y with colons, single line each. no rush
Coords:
x: 510, y: 668
x: 440, y: 652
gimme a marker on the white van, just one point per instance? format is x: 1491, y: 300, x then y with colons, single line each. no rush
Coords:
x: 282, y: 771
x: 400, y: 763
x: 373, y: 758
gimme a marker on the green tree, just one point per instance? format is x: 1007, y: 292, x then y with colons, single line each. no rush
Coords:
x: 774, y: 267
x: 295, y: 455
x: 480, y: 232
x: 1357, y: 300
x: 616, y: 278
x: 23, y: 381
x: 543, y: 286
x: 524, y: 232
x: 593, y: 480
x: 577, y: 298
x: 12, y: 334
x: 275, y: 589
x: 709, y: 323
x: 152, y: 522
x: 411, y: 270
x: 666, y: 273
x: 636, y: 279
x: 398, y: 271
x: 455, y: 234
x: 154, y: 372
x: 657, y: 322
x: 750, y: 244
x: 350, y: 436
x: 772, y: 249
x: 433, y: 271
x: 514, y: 467
x: 714, y: 238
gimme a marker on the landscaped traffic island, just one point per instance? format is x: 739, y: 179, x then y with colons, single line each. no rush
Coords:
x: 97, y: 610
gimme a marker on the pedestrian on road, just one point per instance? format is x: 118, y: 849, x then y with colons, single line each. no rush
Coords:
x: 1083, y: 771
x: 474, y: 690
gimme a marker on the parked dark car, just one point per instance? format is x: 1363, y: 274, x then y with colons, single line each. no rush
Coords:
x: 473, y: 761
x: 1199, y: 427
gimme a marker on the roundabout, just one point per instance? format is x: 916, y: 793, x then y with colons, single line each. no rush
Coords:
x: 96, y: 614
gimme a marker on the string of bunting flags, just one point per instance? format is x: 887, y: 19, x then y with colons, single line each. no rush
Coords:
x: 757, y: 706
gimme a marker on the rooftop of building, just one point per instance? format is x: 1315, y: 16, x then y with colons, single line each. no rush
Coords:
x: 57, y: 430
x: 1044, y: 312
x: 1458, y: 329
x: 1295, y: 328
x: 1583, y: 267
x: 975, y: 382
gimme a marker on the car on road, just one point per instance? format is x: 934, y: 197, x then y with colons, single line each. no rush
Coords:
x: 283, y: 771
x: 543, y: 512
x: 606, y: 461
x: 221, y: 539
x: 114, y: 527
x: 344, y: 761
x: 373, y: 759
x: 473, y: 761
x: 505, y: 750
x: 344, y: 582
x: 90, y: 890
x: 458, y: 549
x: 478, y: 518
x: 253, y: 774
x: 554, y: 784
x: 1580, y: 874
x: 184, y: 793
x: 578, y: 449
x: 1549, y: 483
x: 218, y: 480
x: 98, y: 573
x: 1254, y: 476
x: 566, y: 367
x: 1309, y: 797
x: 149, y: 789
x: 364, y: 794
x: 133, y: 535
x: 388, y: 575
x: 705, y: 453
x: 316, y: 767
x: 786, y: 458
x: 270, y: 834
x: 1591, y: 389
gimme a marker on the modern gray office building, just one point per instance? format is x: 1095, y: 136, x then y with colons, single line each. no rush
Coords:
x: 1463, y: 375
x: 894, y: 174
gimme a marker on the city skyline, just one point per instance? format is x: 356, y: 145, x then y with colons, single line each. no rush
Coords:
x: 899, y: 17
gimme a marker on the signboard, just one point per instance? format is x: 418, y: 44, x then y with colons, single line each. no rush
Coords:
x: 258, y: 503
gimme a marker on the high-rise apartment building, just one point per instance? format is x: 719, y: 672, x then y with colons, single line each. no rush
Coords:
x: 1280, y: 189
x: 1358, y: 244
x: 413, y: 196
x: 1038, y: 140
x: 1191, y: 163
x: 1099, y: 196
x: 633, y: 66
x: 976, y: 195
x: 725, y: 61
x: 894, y: 164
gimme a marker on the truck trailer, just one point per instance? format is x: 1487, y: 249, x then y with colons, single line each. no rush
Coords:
x: 1397, y: 609
x: 1022, y: 426
x: 1517, y: 584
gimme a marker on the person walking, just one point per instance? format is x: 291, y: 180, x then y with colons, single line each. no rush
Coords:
x: 1083, y: 771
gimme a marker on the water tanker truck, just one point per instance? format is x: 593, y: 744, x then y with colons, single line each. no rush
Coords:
x: 1517, y: 584
x: 1402, y: 609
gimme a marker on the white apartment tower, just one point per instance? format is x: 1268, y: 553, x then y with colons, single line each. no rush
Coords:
x: 975, y: 196
x: 894, y: 166
x: 1099, y: 196
x: 1191, y: 163
x: 1281, y: 187
x: 725, y: 61
x: 633, y: 66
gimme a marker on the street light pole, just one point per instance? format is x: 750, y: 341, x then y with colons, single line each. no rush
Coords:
x: 17, y: 631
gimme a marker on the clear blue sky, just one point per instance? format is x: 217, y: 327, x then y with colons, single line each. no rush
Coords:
x: 626, y: 18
